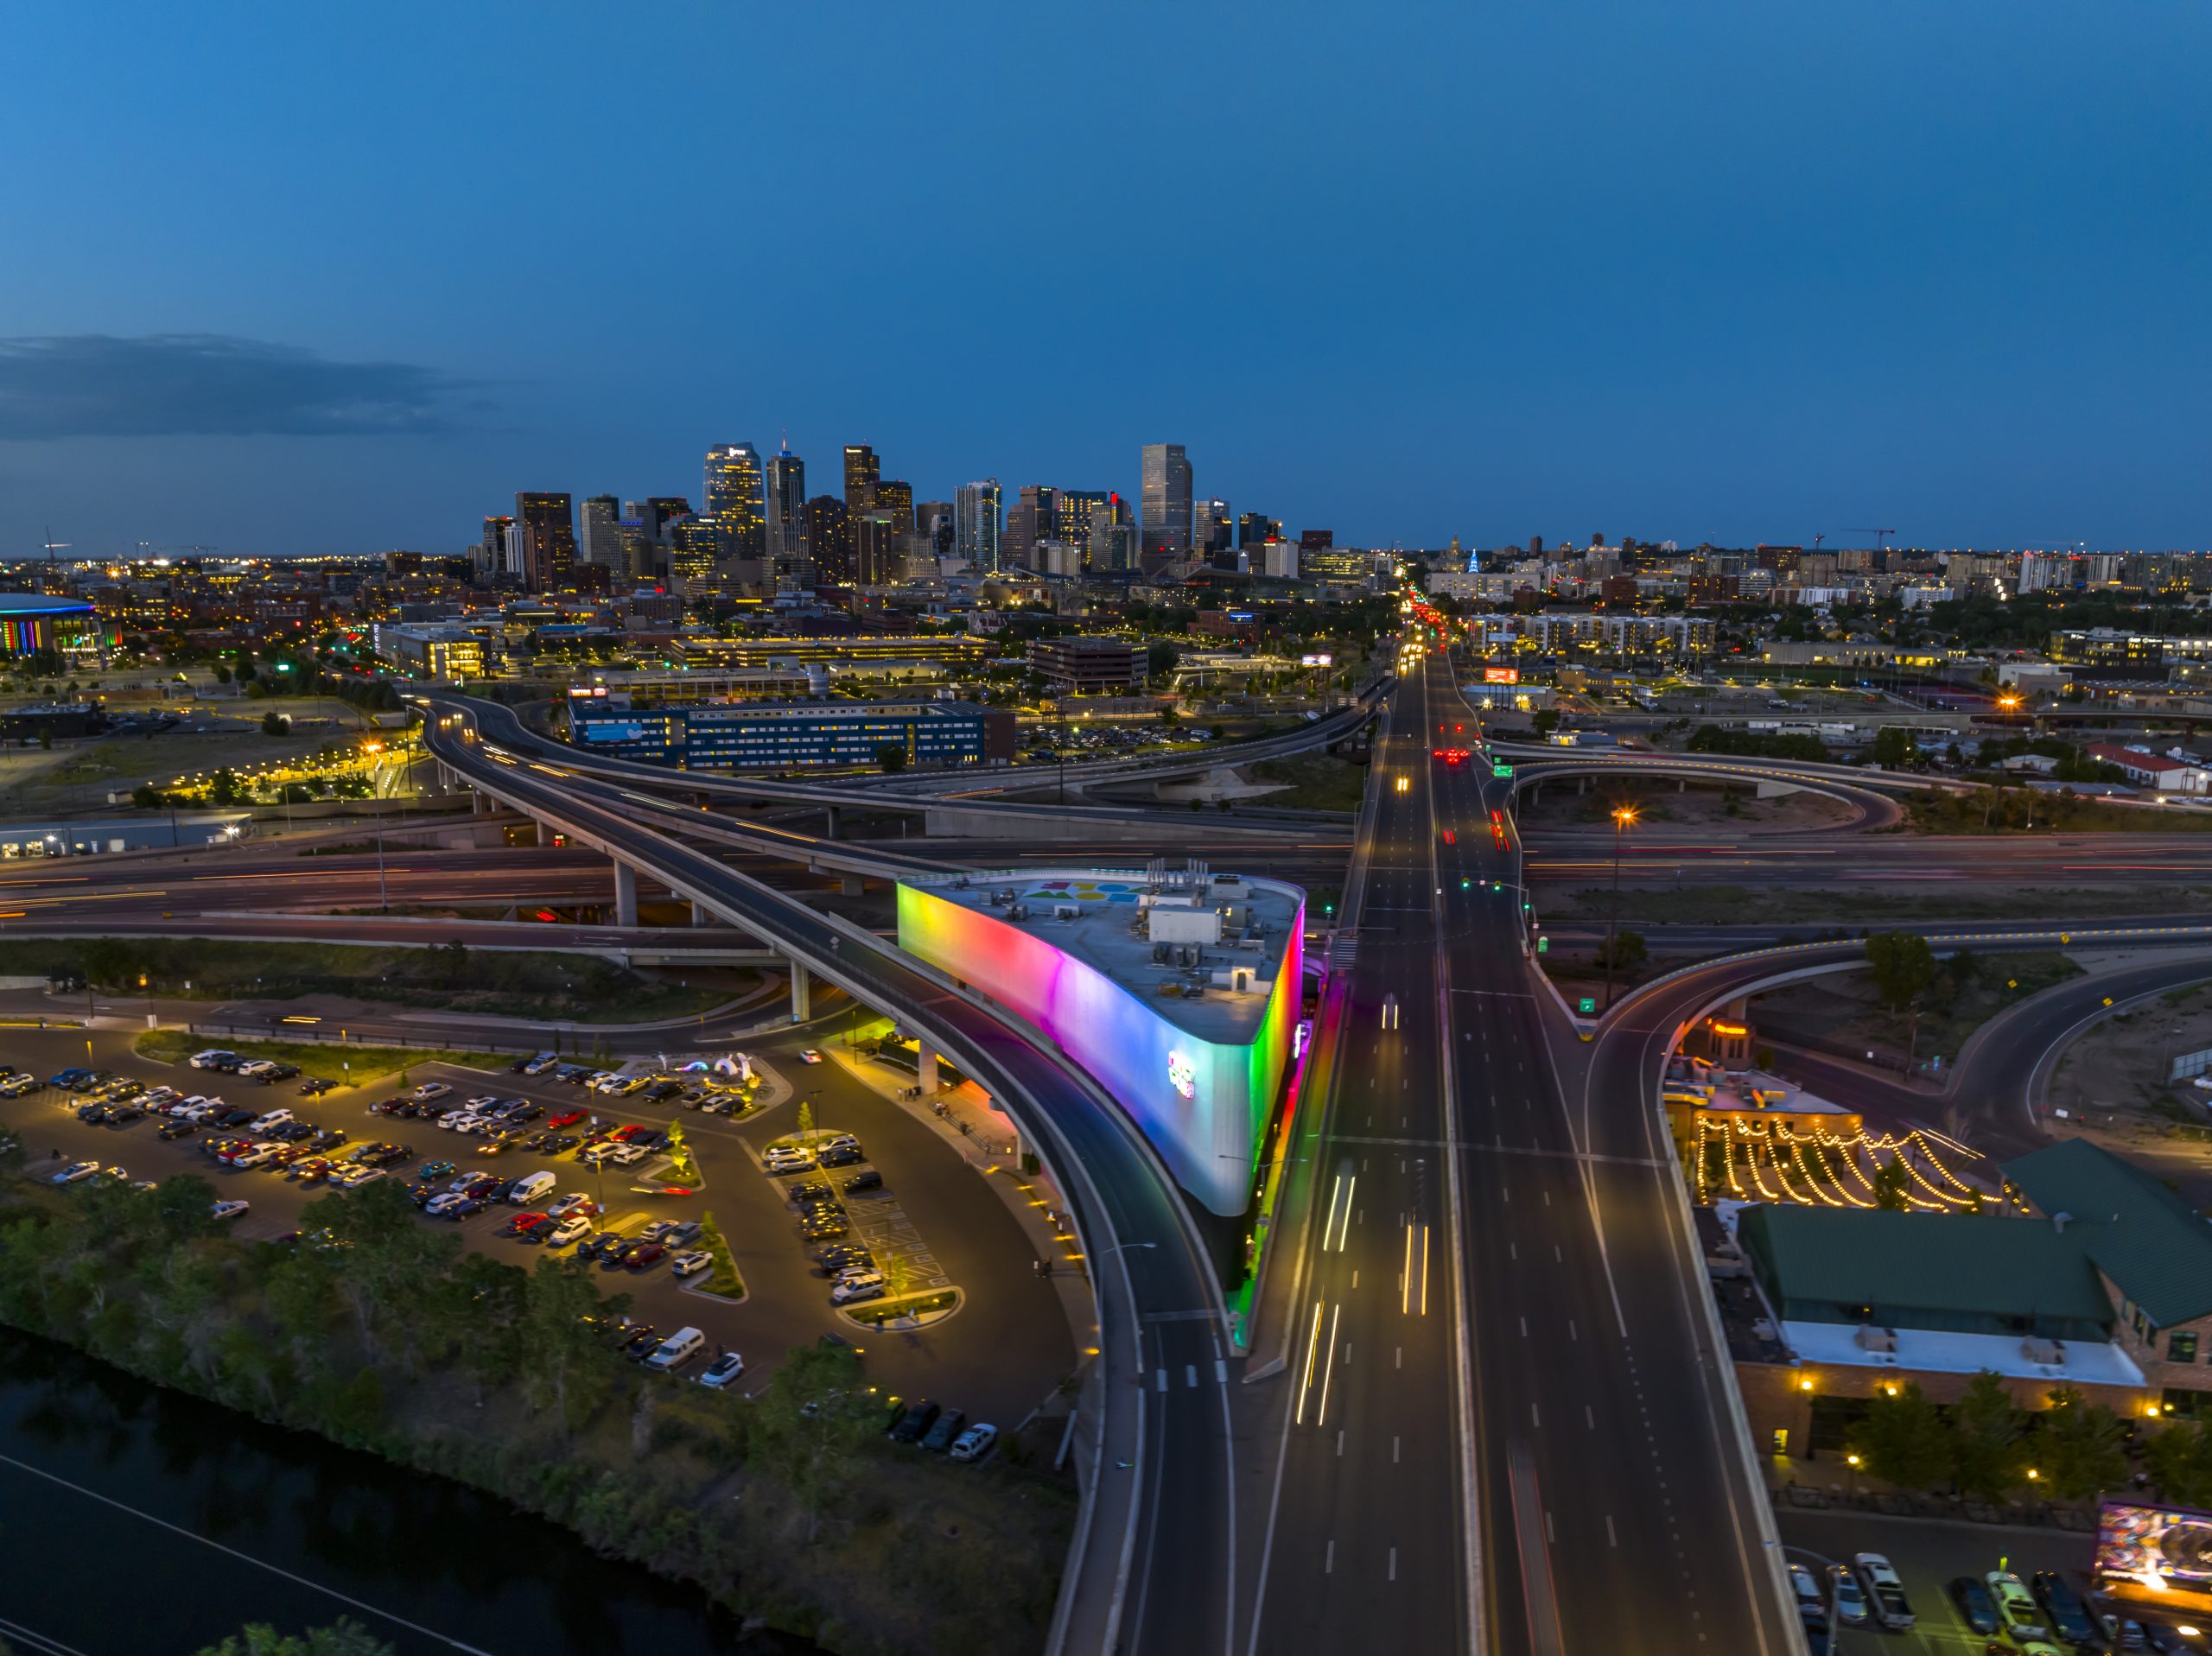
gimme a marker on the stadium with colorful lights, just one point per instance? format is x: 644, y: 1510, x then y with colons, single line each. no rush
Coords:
x: 1178, y: 991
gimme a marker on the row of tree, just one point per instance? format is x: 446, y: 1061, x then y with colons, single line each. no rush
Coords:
x: 1987, y: 1447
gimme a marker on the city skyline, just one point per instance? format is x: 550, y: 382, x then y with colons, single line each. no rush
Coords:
x: 1496, y: 308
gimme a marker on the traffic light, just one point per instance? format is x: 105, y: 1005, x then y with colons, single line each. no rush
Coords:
x: 1464, y: 884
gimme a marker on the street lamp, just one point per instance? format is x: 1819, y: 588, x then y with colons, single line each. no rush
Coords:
x: 1625, y: 818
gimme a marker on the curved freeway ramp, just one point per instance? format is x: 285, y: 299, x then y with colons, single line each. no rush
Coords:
x: 1147, y: 1573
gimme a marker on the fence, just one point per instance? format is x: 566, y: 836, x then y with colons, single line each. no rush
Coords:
x: 312, y: 1037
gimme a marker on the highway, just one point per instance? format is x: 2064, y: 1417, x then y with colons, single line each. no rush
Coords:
x: 1619, y: 1508
x: 1168, y: 1537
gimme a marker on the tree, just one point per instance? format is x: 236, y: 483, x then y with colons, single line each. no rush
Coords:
x: 1889, y: 1183
x: 1629, y: 951
x: 891, y: 758
x: 2080, y: 1446
x: 1988, y: 1435
x: 1894, y: 747
x: 1545, y: 720
x: 726, y: 1278
x: 1902, y: 1439
x: 276, y: 724
x: 810, y: 1427
x: 805, y: 1117
x: 345, y: 1638
x: 1901, y: 964
x: 2179, y: 1456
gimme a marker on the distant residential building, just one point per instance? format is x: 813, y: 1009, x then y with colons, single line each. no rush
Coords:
x: 602, y: 530
x: 2042, y: 571
x: 786, y: 522
x: 695, y: 555
x: 736, y: 500
x: 1071, y: 666
x: 1072, y: 512
x: 1280, y: 558
x: 1164, y: 503
x: 879, y: 547
x: 547, y: 523
x: 976, y: 527
x: 2168, y: 773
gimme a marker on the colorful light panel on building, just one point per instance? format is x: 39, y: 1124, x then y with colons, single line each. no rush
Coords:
x: 1209, y: 1135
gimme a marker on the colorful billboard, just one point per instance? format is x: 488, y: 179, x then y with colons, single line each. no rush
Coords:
x: 2156, y: 1555
x: 1202, y: 1104
x: 1501, y: 676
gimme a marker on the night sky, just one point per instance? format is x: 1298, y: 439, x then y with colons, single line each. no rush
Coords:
x: 336, y: 279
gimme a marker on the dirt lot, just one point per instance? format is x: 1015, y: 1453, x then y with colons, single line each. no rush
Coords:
x: 2115, y: 1076
x: 1842, y: 1008
x: 1559, y: 807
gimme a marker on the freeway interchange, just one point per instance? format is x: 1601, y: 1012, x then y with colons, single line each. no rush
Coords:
x: 1484, y: 1405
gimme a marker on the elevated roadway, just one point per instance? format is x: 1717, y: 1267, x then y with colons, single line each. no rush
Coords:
x: 1151, y: 1566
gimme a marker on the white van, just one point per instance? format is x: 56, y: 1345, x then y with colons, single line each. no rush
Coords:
x: 679, y: 1348
x: 525, y: 1191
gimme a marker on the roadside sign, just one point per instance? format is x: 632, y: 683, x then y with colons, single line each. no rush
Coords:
x: 1589, y: 1004
x: 1500, y: 769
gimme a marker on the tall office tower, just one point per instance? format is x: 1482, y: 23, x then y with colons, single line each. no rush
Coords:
x: 1164, y: 502
x: 896, y: 496
x: 830, y: 539
x: 787, y: 520
x: 490, y: 555
x: 879, y: 547
x: 976, y: 524
x: 1071, y: 513
x: 935, y: 519
x: 735, y: 499
x: 657, y: 512
x: 603, y: 531
x: 862, y: 472
x: 1256, y: 529
x: 1212, y: 526
x: 549, y: 540
x: 1034, y: 517
x: 640, y: 552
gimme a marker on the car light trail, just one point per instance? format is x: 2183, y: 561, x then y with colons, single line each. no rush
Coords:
x: 1313, y: 1343
x: 1329, y: 1368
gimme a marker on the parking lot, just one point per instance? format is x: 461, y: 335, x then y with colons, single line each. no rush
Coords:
x: 999, y: 1359
x: 1927, y: 1556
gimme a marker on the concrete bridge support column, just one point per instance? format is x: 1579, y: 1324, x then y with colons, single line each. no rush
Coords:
x: 481, y: 803
x: 802, y: 992
x: 700, y: 916
x: 626, y: 895
x: 835, y: 822
x: 852, y: 885
x: 926, y: 1070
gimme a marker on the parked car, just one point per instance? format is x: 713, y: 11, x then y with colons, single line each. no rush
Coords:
x: 1885, y: 1591
x: 2068, y: 1616
x: 690, y: 1265
x: 2015, y: 1606
x: 856, y: 1286
x: 176, y: 1129
x: 1976, y: 1608
x: 639, y: 1255
x: 682, y: 1234
x: 574, y: 1202
x: 230, y: 1210
x: 568, y: 1230
x: 845, y: 1256
x: 946, y: 1427
x: 918, y: 1418
x: 975, y: 1443
x: 840, y: 1156
x: 76, y: 1171
x: 723, y: 1371
x: 1847, y: 1598
x: 870, y: 1180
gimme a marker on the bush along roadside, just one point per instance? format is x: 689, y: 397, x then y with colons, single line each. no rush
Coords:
x: 385, y: 1335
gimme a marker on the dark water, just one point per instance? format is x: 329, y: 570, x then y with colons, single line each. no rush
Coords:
x: 466, y: 1571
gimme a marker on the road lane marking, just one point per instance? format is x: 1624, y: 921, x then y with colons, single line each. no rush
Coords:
x: 1329, y: 1368
x: 1161, y: 1374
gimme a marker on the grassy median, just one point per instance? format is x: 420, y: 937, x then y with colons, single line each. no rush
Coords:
x: 325, y: 1060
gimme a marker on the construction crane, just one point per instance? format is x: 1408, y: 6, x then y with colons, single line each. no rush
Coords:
x: 1879, y: 533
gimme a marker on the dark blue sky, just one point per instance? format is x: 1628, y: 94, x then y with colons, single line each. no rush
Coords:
x: 335, y: 279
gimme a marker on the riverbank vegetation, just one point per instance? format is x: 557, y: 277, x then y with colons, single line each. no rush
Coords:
x: 497, y: 983
x: 385, y: 1335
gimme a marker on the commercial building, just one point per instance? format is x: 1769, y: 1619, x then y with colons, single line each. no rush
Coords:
x: 31, y: 623
x: 1164, y: 503
x: 862, y: 469
x: 2168, y: 773
x: 1079, y: 666
x: 602, y: 532
x: 1178, y: 993
x: 766, y: 736
x: 786, y: 522
x: 736, y: 500
x: 447, y: 655
x: 546, y: 530
x: 976, y: 526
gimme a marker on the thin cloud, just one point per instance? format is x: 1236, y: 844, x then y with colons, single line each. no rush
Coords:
x: 208, y: 385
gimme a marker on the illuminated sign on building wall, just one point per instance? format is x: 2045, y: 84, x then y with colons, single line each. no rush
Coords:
x: 1204, y: 1104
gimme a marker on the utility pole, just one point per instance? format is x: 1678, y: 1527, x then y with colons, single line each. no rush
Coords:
x: 1624, y: 819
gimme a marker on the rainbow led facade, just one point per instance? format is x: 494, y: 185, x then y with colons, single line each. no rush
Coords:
x: 32, y: 622
x: 1204, y: 1104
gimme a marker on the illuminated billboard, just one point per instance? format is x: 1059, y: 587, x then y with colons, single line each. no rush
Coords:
x: 1501, y: 676
x: 1204, y: 1104
x: 2156, y: 1555
x: 1316, y: 661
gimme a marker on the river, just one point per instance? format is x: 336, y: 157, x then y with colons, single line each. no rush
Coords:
x: 87, y: 1567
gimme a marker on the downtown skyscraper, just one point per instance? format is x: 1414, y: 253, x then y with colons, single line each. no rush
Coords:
x: 735, y: 499
x: 787, y: 548
x: 975, y: 525
x: 1164, y: 503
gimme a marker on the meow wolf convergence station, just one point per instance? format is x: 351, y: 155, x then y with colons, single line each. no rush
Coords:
x: 1178, y: 992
